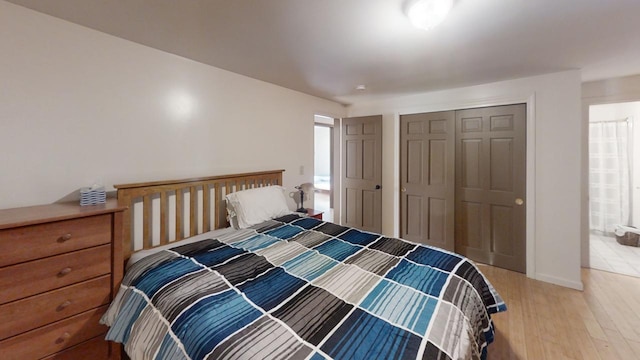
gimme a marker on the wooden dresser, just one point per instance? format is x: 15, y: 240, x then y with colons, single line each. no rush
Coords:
x: 60, y: 266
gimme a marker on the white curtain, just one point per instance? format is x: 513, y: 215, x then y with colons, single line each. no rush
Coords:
x: 609, y: 175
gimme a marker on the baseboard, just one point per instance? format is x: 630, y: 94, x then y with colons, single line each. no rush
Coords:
x: 560, y: 281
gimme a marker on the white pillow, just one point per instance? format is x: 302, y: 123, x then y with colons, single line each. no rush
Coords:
x: 232, y: 218
x: 257, y: 205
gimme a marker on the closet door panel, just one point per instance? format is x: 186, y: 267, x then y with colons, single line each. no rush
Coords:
x: 426, y: 176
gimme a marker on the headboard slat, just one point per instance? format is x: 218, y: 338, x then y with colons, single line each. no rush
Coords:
x: 179, y: 214
x: 206, y: 208
x: 164, y: 239
x: 130, y: 194
x: 219, y: 219
x: 193, y: 209
x: 146, y: 221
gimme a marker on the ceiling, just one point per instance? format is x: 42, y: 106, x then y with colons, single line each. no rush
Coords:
x: 328, y: 47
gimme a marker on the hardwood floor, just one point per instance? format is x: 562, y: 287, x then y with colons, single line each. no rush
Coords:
x: 545, y: 321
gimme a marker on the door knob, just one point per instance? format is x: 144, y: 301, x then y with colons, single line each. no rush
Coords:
x: 519, y: 201
x: 403, y: 189
x: 378, y: 187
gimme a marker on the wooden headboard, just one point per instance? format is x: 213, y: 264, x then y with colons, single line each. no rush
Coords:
x: 204, y: 210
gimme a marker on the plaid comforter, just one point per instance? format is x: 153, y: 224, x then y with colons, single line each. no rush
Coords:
x: 300, y: 288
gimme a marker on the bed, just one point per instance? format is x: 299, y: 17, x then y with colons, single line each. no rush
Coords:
x: 287, y: 287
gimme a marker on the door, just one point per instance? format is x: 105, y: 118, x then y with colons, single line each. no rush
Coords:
x: 427, y: 186
x: 362, y: 173
x: 490, y: 185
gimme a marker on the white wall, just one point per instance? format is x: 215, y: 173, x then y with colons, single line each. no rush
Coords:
x: 77, y: 106
x: 614, y: 90
x: 554, y: 150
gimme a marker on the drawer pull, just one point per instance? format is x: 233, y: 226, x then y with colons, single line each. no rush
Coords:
x: 65, y: 237
x: 64, y: 337
x: 64, y: 271
x: 64, y: 305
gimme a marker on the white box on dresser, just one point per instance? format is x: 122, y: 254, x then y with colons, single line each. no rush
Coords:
x: 60, y: 266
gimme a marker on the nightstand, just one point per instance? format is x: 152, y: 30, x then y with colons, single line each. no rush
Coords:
x: 317, y: 214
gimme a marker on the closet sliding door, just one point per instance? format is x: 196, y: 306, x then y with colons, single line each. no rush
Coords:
x: 463, y: 186
x: 426, y: 179
x: 490, y: 185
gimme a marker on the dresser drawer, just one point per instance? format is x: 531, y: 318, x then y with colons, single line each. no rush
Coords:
x: 26, y: 279
x: 26, y: 314
x: 94, y: 349
x: 55, y: 337
x: 37, y: 241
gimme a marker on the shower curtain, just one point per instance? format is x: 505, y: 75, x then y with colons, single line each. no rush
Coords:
x: 609, y: 175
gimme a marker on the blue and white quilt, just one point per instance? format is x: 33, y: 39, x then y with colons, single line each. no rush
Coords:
x: 301, y: 288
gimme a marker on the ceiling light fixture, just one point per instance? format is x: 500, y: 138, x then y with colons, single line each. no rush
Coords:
x: 361, y: 87
x: 427, y: 14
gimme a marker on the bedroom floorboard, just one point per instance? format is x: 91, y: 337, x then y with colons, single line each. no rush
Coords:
x: 546, y: 321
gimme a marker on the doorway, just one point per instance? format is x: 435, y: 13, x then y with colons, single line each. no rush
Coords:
x: 323, y: 176
x: 614, y: 187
